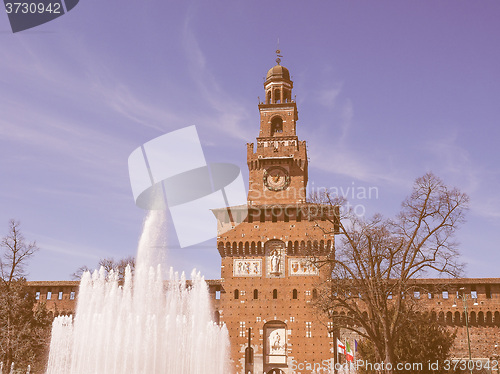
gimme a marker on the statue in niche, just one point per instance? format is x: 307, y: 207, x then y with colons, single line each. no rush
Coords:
x: 275, y: 343
x: 275, y: 262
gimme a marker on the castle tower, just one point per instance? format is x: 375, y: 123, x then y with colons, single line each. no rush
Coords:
x: 278, y: 168
x: 268, y: 281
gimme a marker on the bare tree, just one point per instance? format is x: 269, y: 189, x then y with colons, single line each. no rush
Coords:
x: 15, y: 254
x: 108, y: 264
x: 377, y: 260
x: 24, y: 324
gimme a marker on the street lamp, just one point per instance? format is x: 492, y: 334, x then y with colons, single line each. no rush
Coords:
x: 462, y: 295
x: 334, y: 340
x: 495, y: 357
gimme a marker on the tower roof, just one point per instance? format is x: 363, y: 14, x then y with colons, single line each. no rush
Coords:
x: 278, y: 72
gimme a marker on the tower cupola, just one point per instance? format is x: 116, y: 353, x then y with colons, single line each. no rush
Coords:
x: 278, y: 85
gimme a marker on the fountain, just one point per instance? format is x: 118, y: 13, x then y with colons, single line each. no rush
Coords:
x: 145, y: 326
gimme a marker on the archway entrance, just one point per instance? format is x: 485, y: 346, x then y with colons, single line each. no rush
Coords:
x: 275, y: 371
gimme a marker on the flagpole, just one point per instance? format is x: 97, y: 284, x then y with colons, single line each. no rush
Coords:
x: 355, y: 351
x: 348, y: 362
x: 336, y: 358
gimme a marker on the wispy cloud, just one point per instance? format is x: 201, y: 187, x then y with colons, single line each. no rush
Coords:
x: 333, y: 149
x: 328, y: 97
x: 50, y: 244
x: 231, y: 117
x: 454, y: 161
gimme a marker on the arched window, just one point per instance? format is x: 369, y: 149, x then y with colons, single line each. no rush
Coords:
x: 294, y: 294
x: 473, y: 319
x: 433, y: 316
x: 276, y: 126
x: 236, y: 294
x: 480, y: 319
x: 275, y: 293
x: 489, y: 318
x: 449, y: 318
x: 255, y: 294
x: 315, y: 293
x: 275, y: 335
x: 277, y: 96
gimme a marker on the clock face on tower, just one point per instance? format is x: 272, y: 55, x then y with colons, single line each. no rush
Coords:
x: 276, y: 178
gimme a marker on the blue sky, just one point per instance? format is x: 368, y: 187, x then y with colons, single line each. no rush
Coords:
x: 386, y: 91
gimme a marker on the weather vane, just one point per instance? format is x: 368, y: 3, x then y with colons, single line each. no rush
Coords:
x: 278, y: 52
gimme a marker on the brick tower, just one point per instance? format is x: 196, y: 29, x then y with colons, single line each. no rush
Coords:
x: 268, y: 282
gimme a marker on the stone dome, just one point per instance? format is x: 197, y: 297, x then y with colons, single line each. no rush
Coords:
x: 278, y: 72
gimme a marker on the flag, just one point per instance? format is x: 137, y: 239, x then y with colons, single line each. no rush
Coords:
x: 355, y: 345
x: 340, y: 347
x: 348, y: 352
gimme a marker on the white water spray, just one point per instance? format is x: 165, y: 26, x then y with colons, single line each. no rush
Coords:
x: 146, y: 326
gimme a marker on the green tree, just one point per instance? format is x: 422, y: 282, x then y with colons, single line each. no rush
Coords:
x: 422, y: 340
x: 24, y: 324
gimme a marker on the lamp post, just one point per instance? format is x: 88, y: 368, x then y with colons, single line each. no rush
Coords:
x: 334, y: 340
x: 462, y: 295
x: 494, y: 359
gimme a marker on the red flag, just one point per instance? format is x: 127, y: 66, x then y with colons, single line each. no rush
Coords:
x: 340, y: 347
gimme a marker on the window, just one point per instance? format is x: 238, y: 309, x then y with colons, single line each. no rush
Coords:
x: 389, y: 296
x: 275, y: 293
x: 487, y: 291
x: 72, y: 295
x: 294, y: 294
x: 242, y: 328
x: 258, y: 319
x: 292, y: 319
x: 37, y: 295
x: 330, y: 329
x: 277, y: 96
x: 308, y: 329
x: 217, y: 295
x: 49, y: 295
x: 445, y: 295
x: 255, y: 294
x: 236, y: 294
x: 315, y: 294
x: 473, y: 291
x: 430, y: 295
x: 60, y: 296
x: 416, y: 295
x: 276, y: 125
x: 308, y: 293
